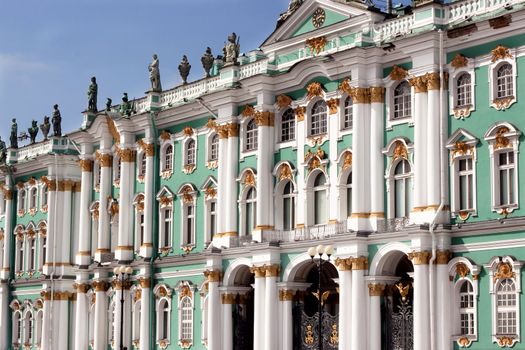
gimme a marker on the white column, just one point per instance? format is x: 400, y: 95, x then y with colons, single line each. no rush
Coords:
x: 359, y: 220
x: 145, y: 332
x: 52, y: 225
x: 358, y: 322
x: 420, y: 152
x: 228, y: 299
x: 333, y: 128
x: 214, y: 310
x: 259, y: 307
x: 264, y: 184
x: 118, y: 314
x: 300, y: 210
x: 81, y: 337
x: 65, y: 196
x: 376, y: 157
x: 146, y: 248
x: 83, y: 257
x: 8, y: 231
x: 376, y: 291
x: 5, y: 313
x: 271, y: 304
x: 286, y: 298
x: 444, y: 320
x: 345, y: 307
x: 124, y: 251
x: 103, y: 247
x: 421, y: 300
x: 221, y: 179
x: 101, y: 316
x: 55, y: 330
x: 231, y: 182
x: 432, y: 138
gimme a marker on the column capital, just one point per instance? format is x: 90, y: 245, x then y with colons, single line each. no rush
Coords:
x: 272, y: 270
x: 434, y: 80
x: 233, y: 130
x: 86, y: 165
x: 58, y: 296
x: 145, y: 282
x: 419, y: 258
x: 360, y: 263
x: 222, y: 130
x: 419, y: 83
x: 147, y: 148
x: 100, y: 286
x: 259, y: 271
x: 443, y: 257
x: 213, y: 275
x: 332, y: 105
x: 377, y: 94
x: 119, y: 285
x: 105, y: 159
x: 265, y: 118
x: 299, y: 113
x: 8, y: 194
x: 360, y: 95
x: 286, y: 294
x: 127, y: 155
x: 65, y: 185
x: 228, y: 298
x: 376, y: 289
x: 343, y: 264
x: 81, y: 287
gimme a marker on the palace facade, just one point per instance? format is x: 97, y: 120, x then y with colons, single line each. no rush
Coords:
x: 394, y: 138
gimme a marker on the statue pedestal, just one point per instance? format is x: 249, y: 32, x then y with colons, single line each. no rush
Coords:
x: 153, y: 100
x: 11, y: 156
x: 89, y: 117
x: 230, y: 75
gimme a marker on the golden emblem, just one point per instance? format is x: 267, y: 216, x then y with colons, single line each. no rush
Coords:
x: 284, y: 101
x: 314, y: 89
x: 500, y: 52
x: 459, y: 61
x: 403, y: 290
x: 316, y: 45
x: 398, y: 73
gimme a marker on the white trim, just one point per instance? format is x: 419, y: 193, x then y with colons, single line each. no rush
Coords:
x: 390, y: 86
x: 492, y: 75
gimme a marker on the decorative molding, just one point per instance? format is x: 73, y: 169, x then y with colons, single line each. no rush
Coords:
x: 248, y: 111
x: 127, y: 155
x: 459, y: 61
x: 299, y: 113
x: 228, y: 298
x: 433, y: 81
x: 210, y: 192
x: 86, y: 165
x: 377, y: 94
x: 188, y: 131
x: 259, y: 271
x: 343, y: 264
x: 233, y: 130
x: 398, y: 73
x: 105, y: 160
x: 272, y: 270
x: 145, y: 282
x: 264, y: 118
x: 501, y: 140
x: 462, y: 270
x: 347, y: 160
x: 443, y: 257
x: 503, y: 103
x: 283, y: 101
x: 504, y: 271
x: 376, y: 289
x: 499, y: 53
x: 419, y: 258
x: 360, y: 263
x: 400, y: 151
x: 165, y: 135
x: 419, y: 84
x: 314, y: 89
x: 332, y: 105
x: 213, y: 275
x: 316, y: 45
x: 360, y: 95
x: 113, y: 130
x: 286, y: 294
x: 285, y: 172
x: 345, y: 87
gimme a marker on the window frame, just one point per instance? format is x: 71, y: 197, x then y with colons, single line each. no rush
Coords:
x: 186, y: 294
x: 344, y: 108
x: 503, y: 102
x: 165, y: 171
x: 323, y: 129
x: 189, y: 164
x: 251, y: 136
x: 462, y: 112
x: 390, y: 86
x: 292, y: 126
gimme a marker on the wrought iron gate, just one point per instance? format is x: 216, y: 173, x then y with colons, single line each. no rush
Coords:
x: 309, y: 338
x: 398, y: 320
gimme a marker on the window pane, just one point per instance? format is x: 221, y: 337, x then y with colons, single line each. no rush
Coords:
x: 320, y: 207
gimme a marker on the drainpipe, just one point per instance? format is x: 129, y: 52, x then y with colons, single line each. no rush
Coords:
x: 442, y: 199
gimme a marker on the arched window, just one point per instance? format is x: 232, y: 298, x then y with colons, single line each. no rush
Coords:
x: 136, y: 321
x: 214, y: 147
x: 44, y: 194
x: 251, y: 136
x: 250, y: 211
x: 504, y: 81
x: 28, y: 328
x: 168, y: 158
x: 402, y: 189
x: 466, y: 308
x: 348, y: 116
x: 167, y: 222
x: 17, y: 327
x: 38, y: 327
x: 186, y: 320
x: 288, y: 125
x: 32, y: 253
x: 188, y: 223
x: 402, y: 101
x: 349, y: 195
x: 320, y: 199
x: 190, y: 152
x: 142, y: 164
x: 32, y: 197
x: 22, y: 200
x: 464, y: 93
x: 288, y: 207
x: 319, y: 117
x: 506, y: 307
x: 163, y: 330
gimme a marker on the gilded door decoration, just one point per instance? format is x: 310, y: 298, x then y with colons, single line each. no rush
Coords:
x: 310, y: 332
x: 399, y: 324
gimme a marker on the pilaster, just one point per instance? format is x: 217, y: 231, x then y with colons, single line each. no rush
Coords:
x: 259, y: 307
x: 146, y: 248
x: 101, y: 314
x: 420, y: 261
x: 83, y: 256
x: 377, y: 99
x: 8, y: 229
x: 105, y: 161
x: 213, y: 277
x: 124, y: 251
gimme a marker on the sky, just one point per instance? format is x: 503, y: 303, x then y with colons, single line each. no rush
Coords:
x: 50, y: 49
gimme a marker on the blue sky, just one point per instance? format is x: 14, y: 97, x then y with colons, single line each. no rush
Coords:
x: 50, y: 49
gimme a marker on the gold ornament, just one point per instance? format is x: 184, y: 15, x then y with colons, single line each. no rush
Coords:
x: 398, y: 73
x: 228, y: 298
x: 299, y: 113
x: 316, y: 45
x: 400, y: 151
x: 504, y: 271
x: 332, y: 105
x: 462, y: 269
x: 264, y: 118
x: 283, y: 101
x: 360, y: 95
x: 248, y: 111
x: 113, y: 130
x: 347, y: 161
x: 376, y: 289
x: 377, y: 94
x: 86, y: 165
x: 459, y: 61
x: 249, y: 179
x: 213, y: 275
x: 286, y: 295
x: 360, y: 263
x: 433, y: 81
x: 345, y: 86
x: 165, y: 135
x: 443, y: 257
x: 403, y: 290
x: 419, y: 258
x: 233, y: 130
x: 285, y: 172
x: 127, y: 155
x: 501, y: 140
x: 419, y: 84
x: 314, y: 89
x: 188, y: 131
x: 499, y: 53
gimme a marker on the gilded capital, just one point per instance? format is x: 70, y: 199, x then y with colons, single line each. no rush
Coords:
x: 65, y: 185
x: 222, y: 130
x: 332, y: 105
x: 433, y: 81
x: 286, y: 294
x: 299, y: 113
x: 377, y: 94
x: 264, y: 118
x: 376, y: 289
x: 86, y: 165
x: 100, y: 286
x: 233, y: 130
x: 213, y: 275
x: 127, y: 155
x: 419, y: 84
x: 343, y: 264
x: 105, y: 160
x: 145, y: 282
x: 443, y: 257
x: 81, y: 287
x: 419, y: 258
x: 259, y: 271
x: 8, y: 194
x: 360, y: 95
x: 272, y: 270
x: 360, y: 263
x: 228, y: 298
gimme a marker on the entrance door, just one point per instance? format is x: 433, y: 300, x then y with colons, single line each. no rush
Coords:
x: 243, y: 322
x: 399, y: 316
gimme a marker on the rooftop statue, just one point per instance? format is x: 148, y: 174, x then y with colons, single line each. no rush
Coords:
x: 92, y: 95
x: 56, y: 119
x: 154, y: 74
x: 126, y: 107
x: 45, y: 127
x: 207, y: 61
x: 33, y: 131
x: 184, y: 69
x: 13, y: 139
x: 108, y: 104
x: 231, y: 49
x: 292, y: 7
x: 2, y: 151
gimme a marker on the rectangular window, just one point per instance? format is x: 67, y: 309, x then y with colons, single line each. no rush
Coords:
x: 167, y: 228
x: 320, y: 207
x: 466, y: 201
x: 213, y: 220
x: 141, y: 228
x: 506, y: 175
x: 190, y: 217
